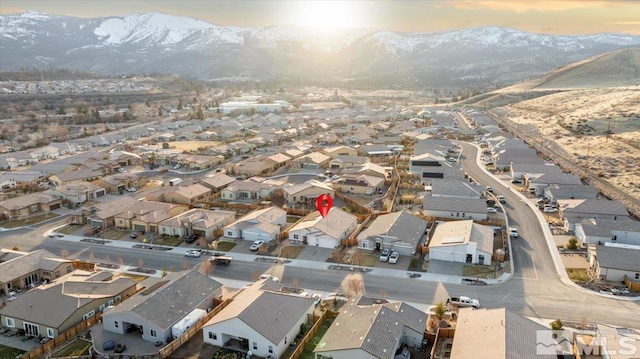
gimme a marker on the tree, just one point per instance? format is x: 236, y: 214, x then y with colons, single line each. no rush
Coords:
x: 140, y: 263
x: 163, y: 273
x: 573, y: 243
x: 61, y: 110
x: 263, y: 250
x: 294, y: 282
x: 64, y: 253
x: 440, y: 310
x: 179, y: 104
x: 206, y: 267
x: 556, y: 325
x: 91, y: 256
x: 357, y: 258
x: 15, y: 248
x: 355, y: 285
x: 202, y: 243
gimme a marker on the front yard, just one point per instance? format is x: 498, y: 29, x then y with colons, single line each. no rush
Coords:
x: 14, y: 223
x: 291, y: 252
x: 578, y: 274
x: 75, y: 348
x: 9, y: 353
x: 488, y: 272
x: 224, y: 246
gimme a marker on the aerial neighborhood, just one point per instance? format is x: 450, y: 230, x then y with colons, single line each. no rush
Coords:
x: 239, y: 188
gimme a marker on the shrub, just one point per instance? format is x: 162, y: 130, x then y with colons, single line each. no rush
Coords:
x: 573, y: 243
x: 556, y: 325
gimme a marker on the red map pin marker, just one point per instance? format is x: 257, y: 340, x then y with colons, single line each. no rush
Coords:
x: 323, y: 204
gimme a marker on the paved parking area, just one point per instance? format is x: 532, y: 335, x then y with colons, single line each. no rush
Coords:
x: 444, y: 267
x: 403, y: 263
x: 18, y: 342
x: 134, y: 342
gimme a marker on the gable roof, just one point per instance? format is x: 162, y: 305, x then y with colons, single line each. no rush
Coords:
x: 592, y: 206
x: 29, y: 262
x: 182, y: 291
x: 218, y: 181
x: 376, y: 328
x: 109, y: 209
x: 271, y: 314
x: 463, y: 232
x: 54, y: 303
x: 619, y: 256
x: 334, y: 224
x: 463, y: 205
x: 401, y: 225
x: 496, y: 334
x: 27, y: 200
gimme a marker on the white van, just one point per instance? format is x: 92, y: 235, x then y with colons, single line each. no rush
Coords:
x: 175, y: 181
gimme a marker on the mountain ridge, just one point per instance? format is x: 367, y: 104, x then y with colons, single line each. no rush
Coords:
x: 157, y: 42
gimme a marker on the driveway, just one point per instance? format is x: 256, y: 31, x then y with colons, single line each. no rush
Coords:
x: 134, y: 342
x: 313, y: 253
x: 444, y: 267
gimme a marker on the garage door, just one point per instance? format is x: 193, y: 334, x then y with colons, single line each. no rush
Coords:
x: 54, y: 206
x: 101, y: 193
x: 139, y: 228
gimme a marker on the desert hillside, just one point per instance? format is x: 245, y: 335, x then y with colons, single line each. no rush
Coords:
x: 587, y: 111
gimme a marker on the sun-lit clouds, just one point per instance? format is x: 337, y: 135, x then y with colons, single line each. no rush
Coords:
x: 521, y: 6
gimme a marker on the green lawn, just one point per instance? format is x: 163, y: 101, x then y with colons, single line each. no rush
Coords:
x: 9, y: 353
x: 168, y: 241
x: 76, y: 348
x: 13, y: 223
x: 225, y: 246
x: 291, y: 252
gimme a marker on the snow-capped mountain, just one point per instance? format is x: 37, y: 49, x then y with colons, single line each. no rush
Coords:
x: 156, y: 42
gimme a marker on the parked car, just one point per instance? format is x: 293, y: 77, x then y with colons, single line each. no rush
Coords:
x: 317, y: 298
x: 501, y: 199
x: 163, y: 170
x: 489, y: 189
x: 256, y: 245
x: 492, y: 210
x: 384, y: 256
x: 133, y: 235
x: 192, y: 238
x: 549, y: 209
x: 109, y: 345
x: 513, y: 232
x: 393, y: 258
x: 336, y: 297
x: 176, y: 167
x: 131, y: 189
x: 120, y: 348
x: 120, y: 169
x: 193, y: 253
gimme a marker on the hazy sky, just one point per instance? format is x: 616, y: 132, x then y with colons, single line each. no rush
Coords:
x: 546, y: 16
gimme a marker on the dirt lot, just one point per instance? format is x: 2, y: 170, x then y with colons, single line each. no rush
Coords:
x: 191, y: 145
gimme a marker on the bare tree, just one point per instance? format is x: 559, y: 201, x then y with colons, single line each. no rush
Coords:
x: 87, y: 230
x: 382, y: 294
x: 255, y: 275
x: 91, y: 257
x: 294, y: 282
x: 107, y: 258
x: 121, y: 262
x: 357, y: 258
x: 140, y: 263
x: 263, y: 250
x: 185, y: 266
x: 64, y: 253
x: 202, y: 243
x: 355, y: 285
x: 337, y: 255
x: 206, y: 268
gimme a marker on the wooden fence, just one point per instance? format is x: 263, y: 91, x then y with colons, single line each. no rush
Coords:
x: 360, y: 207
x: 51, y: 345
x: 631, y: 284
x: 311, y: 334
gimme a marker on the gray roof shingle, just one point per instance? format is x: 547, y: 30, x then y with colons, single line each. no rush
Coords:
x: 622, y: 258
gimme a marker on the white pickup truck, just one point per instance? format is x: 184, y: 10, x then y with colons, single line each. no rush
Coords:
x: 463, y: 301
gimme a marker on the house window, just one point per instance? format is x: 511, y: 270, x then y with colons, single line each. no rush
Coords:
x: 102, y: 307
x: 270, y: 349
x: 50, y: 333
x: 89, y: 315
x: 213, y: 336
x: 57, y: 274
x: 457, y: 214
x: 255, y: 346
x: 463, y: 214
x: 295, y: 236
x: 115, y: 323
x: 69, y: 269
x: 481, y: 257
x: 118, y: 299
x: 11, y: 323
x: 229, y: 233
x: 110, y: 302
x: 637, y: 275
x: 153, y: 333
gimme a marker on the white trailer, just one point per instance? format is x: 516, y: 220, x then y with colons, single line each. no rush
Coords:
x: 187, y: 322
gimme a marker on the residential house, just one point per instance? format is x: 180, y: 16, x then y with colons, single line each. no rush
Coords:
x: 367, y: 169
x: 57, y: 306
x: 279, y: 160
x: 146, y: 216
x: 187, y: 194
x: 455, y: 189
x: 336, y: 151
x: 614, y: 261
x: 570, y: 191
x: 75, y: 193
x: 162, y: 303
x: 536, y: 184
x: 366, y: 329
x: 606, y: 342
x: 602, y: 231
x: 197, y: 162
x: 103, y: 214
x: 342, y: 161
x: 455, y: 208
x: 247, y: 191
x: 519, y: 170
x: 29, y: 204
x: 200, y: 222
x: 374, y: 150
x: 399, y: 231
x: 120, y: 182
x: 497, y: 334
x: 7, y: 182
x: 254, y: 166
x: 306, y: 193
x: 313, y: 160
x: 462, y: 242
x: 24, y: 270
x: 325, y: 232
x: 261, y: 320
x: 61, y: 178
x: 264, y: 224
x: 573, y: 211
x: 359, y: 184
x: 218, y: 182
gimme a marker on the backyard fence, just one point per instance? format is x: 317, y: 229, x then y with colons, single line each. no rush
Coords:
x: 632, y: 285
x: 311, y: 334
x: 52, y: 344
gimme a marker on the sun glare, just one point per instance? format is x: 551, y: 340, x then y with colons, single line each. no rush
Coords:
x: 326, y: 15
